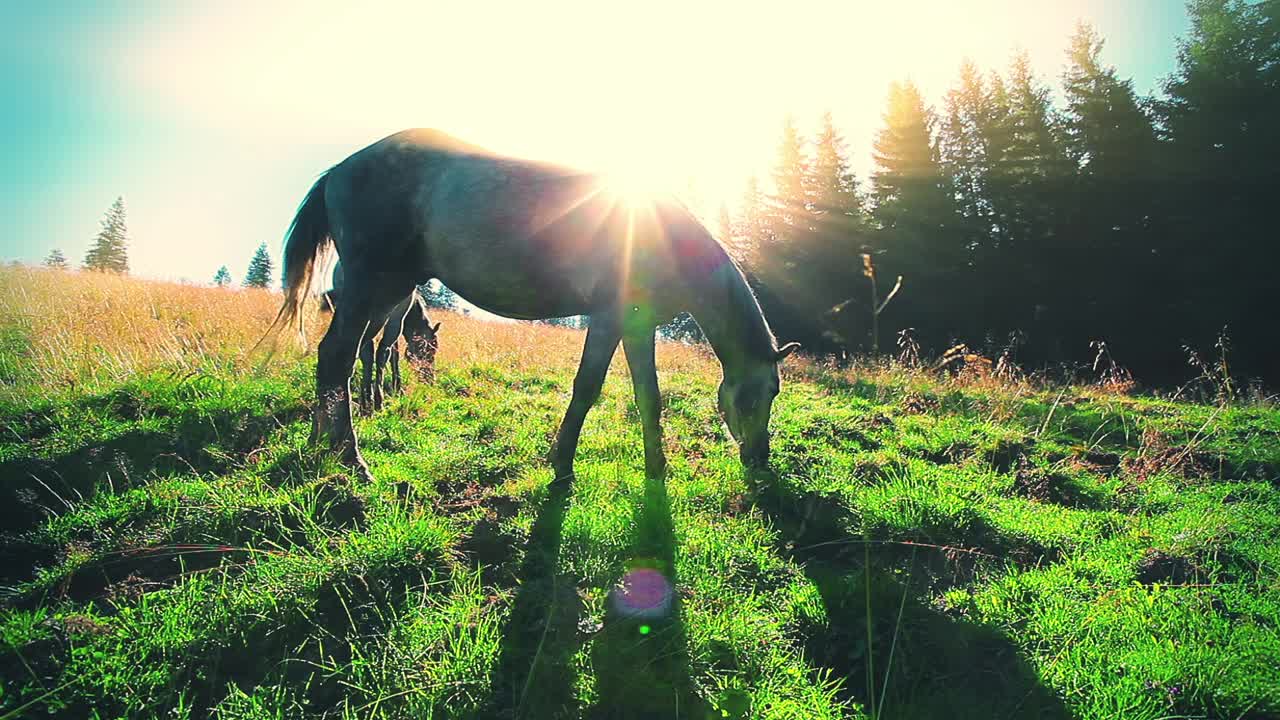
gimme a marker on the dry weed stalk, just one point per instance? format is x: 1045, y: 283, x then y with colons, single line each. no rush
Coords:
x: 877, y: 305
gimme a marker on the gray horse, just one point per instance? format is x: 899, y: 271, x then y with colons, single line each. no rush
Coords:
x: 408, y: 318
x: 527, y: 240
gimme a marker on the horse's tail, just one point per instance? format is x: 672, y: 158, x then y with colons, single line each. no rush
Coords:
x: 308, y: 238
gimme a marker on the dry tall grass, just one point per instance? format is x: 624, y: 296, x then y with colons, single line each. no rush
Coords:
x: 63, y: 330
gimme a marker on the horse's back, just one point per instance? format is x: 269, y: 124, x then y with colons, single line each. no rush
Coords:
x: 373, y: 196
x: 432, y: 140
x: 517, y: 237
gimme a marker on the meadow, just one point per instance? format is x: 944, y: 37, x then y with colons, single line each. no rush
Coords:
x: 923, y: 546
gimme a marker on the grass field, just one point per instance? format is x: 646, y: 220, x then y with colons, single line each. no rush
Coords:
x: 922, y: 547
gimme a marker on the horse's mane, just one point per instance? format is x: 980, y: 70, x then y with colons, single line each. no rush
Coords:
x: 706, y: 265
x: 753, y: 324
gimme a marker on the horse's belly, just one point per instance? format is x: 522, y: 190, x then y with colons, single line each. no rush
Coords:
x: 504, y: 282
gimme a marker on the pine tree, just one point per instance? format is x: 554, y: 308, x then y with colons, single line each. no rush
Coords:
x: 573, y: 322
x: 908, y: 178
x: 1107, y: 132
x: 789, y: 215
x: 965, y: 145
x: 1030, y: 188
x: 1036, y: 140
x: 832, y: 269
x: 682, y: 328
x: 222, y: 278
x: 1224, y: 164
x: 831, y: 185
x: 56, y: 259
x: 1108, y: 223
x: 260, y: 269
x: 752, y: 230
x: 109, y: 252
x: 1233, y: 52
x: 917, y: 216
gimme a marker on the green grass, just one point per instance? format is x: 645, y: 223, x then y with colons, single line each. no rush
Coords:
x: 173, y: 547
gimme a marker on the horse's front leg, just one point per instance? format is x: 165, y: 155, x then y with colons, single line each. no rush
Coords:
x: 603, y: 335
x: 638, y: 346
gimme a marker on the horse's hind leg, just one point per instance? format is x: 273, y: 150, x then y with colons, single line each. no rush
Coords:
x: 335, y: 359
x: 603, y: 335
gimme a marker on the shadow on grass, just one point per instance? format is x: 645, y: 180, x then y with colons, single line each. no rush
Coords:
x: 640, y: 656
x: 941, y: 666
x: 39, y: 483
x: 289, y: 642
x: 534, y: 677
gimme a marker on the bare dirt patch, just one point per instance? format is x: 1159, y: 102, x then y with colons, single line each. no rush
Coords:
x: 1158, y: 566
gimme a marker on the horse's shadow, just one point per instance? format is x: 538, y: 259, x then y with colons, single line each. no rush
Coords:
x: 638, y: 655
x: 908, y: 657
x: 534, y: 675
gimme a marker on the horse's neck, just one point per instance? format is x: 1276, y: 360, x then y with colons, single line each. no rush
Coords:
x: 732, y: 322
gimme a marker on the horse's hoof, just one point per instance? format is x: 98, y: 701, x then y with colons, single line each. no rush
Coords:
x: 358, y: 468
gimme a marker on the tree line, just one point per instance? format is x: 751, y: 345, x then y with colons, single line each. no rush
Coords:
x: 1019, y: 223
x: 109, y: 252
x: 1034, y: 227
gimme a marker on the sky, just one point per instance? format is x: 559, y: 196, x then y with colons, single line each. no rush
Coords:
x: 212, y: 120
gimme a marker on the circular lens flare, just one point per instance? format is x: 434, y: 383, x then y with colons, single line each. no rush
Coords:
x: 643, y: 593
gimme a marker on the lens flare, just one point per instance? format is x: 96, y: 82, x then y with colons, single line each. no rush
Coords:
x: 635, y: 189
x: 643, y: 593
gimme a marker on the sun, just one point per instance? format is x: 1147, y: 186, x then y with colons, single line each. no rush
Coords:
x: 635, y: 189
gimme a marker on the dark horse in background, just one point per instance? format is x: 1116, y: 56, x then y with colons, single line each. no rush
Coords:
x: 526, y: 240
x: 408, y: 318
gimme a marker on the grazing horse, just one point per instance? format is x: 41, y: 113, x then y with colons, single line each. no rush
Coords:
x: 527, y: 240
x: 408, y: 318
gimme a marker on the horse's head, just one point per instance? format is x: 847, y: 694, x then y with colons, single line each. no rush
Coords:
x: 422, y: 340
x: 746, y: 399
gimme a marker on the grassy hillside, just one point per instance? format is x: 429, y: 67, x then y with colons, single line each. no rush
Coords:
x: 922, y: 548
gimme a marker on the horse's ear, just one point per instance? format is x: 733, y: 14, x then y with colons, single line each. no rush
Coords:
x: 436, y: 328
x: 786, y: 350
